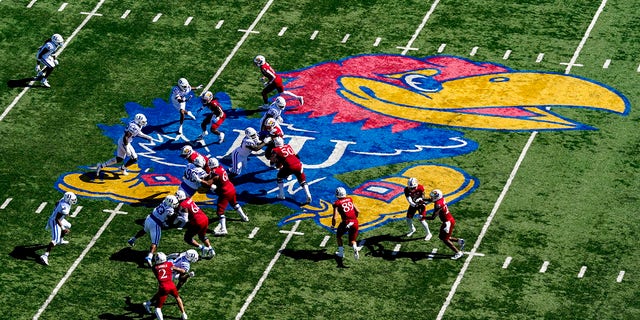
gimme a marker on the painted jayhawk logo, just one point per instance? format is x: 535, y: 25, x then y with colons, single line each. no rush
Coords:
x: 361, y: 112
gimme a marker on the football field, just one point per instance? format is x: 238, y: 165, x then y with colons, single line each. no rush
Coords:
x: 522, y: 112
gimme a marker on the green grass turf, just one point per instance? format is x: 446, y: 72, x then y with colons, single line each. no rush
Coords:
x: 572, y: 203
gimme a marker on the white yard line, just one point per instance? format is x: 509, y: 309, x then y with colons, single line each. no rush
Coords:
x: 77, y: 262
x: 67, y: 41
x: 496, y: 206
x: 267, y: 271
x: 408, y: 47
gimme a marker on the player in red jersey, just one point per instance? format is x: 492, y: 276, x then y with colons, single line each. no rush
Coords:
x: 272, y: 81
x: 226, y: 192
x: 213, y: 119
x: 348, y: 212
x: 441, y: 210
x: 288, y: 163
x: 270, y: 130
x: 163, y: 271
x: 196, y: 221
x: 190, y: 155
x: 414, y: 192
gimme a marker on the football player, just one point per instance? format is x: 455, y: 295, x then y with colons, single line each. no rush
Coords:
x: 125, y: 149
x: 348, y: 212
x: 180, y: 94
x: 213, y: 119
x: 288, y: 162
x: 46, y: 57
x: 226, y: 192
x: 195, y: 178
x: 414, y: 192
x: 153, y: 225
x: 196, y: 220
x: 58, y: 224
x: 166, y: 286
x: 183, y: 261
x: 275, y: 111
x: 271, y: 81
x: 271, y: 130
x: 441, y: 210
x: 190, y: 155
x: 249, y: 144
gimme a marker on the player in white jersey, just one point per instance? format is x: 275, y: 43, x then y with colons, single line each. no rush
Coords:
x: 47, y: 58
x: 183, y: 260
x: 180, y: 94
x: 125, y: 149
x: 58, y: 224
x: 153, y: 225
x: 275, y: 111
x: 195, y: 177
x: 250, y: 143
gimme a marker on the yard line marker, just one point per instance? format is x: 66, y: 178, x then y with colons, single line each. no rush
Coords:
x: 77, y: 262
x: 419, y: 29
x: 540, y: 57
x: 296, y: 233
x: 282, y: 31
x: 41, y: 207
x: 75, y: 212
x: 64, y: 5
x: 346, y: 37
x: 544, y: 267
x: 506, y: 263
x: 638, y: 70
x: 5, y: 203
x: 157, y: 17
x: 506, y: 55
x: 219, y: 24
x: 465, y: 266
x: 237, y: 47
x: 31, y: 3
x: 377, y: 42
x: 125, y: 14
x: 474, y: 50
x: 620, y: 276
x: 24, y: 91
x: 253, y: 232
x: 324, y: 241
x: 606, y: 64
x: 268, y: 270
x: 314, y: 35
x: 582, y: 271
x: 396, y: 249
x: 433, y: 252
x: 441, y: 47
x: 186, y: 23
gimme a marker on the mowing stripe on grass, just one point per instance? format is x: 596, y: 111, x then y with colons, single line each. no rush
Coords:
x: 77, y: 262
x: 75, y: 32
x: 267, y: 271
x: 513, y: 172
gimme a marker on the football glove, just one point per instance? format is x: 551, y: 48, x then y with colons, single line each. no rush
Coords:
x: 199, y: 87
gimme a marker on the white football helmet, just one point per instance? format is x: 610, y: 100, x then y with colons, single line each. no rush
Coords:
x: 140, y: 119
x: 183, y: 84
x: 70, y: 197
x: 192, y: 255
x: 161, y: 258
x: 213, y: 163
x: 341, y: 192
x: 251, y: 133
x: 259, y: 60
x: 57, y: 39
x: 171, y: 200
x: 180, y: 195
x: 278, y: 141
x: 280, y: 102
x: 436, y: 195
x: 412, y: 183
x: 199, y: 162
x: 187, y: 150
x: 207, y: 97
x: 270, y: 123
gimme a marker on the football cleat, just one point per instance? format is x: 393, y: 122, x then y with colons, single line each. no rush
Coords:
x: 356, y: 254
x: 45, y: 83
x: 63, y: 241
x: 281, y: 196
x: 191, y: 115
x: 221, y: 137
x: 124, y: 170
x: 132, y: 242
x: 457, y: 256
x: 220, y: 233
x: 428, y: 237
x: 461, y: 244
x: 340, y: 254
x: 412, y: 230
x: 147, y: 306
x: 99, y: 167
x: 44, y: 259
x: 180, y: 130
x: 244, y: 217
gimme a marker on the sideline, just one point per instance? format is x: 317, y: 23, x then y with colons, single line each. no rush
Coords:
x: 514, y: 172
x: 68, y: 40
x: 75, y: 264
